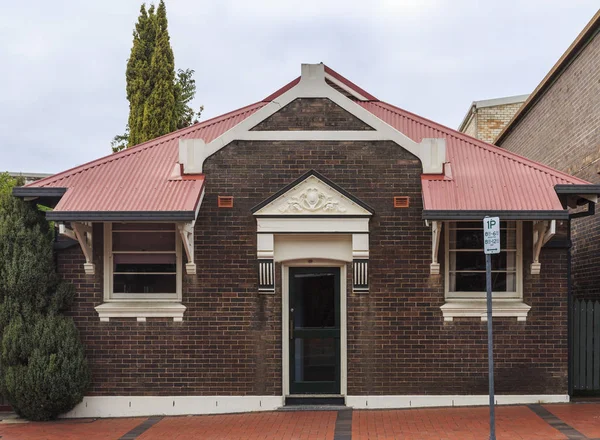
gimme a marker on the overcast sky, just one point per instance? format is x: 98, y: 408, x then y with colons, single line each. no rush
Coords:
x: 62, y: 81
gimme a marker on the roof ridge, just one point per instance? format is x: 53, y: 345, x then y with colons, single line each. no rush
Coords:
x: 494, y: 149
x: 140, y: 147
x: 350, y: 84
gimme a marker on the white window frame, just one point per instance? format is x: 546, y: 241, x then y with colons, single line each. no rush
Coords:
x: 110, y: 296
x: 453, y: 295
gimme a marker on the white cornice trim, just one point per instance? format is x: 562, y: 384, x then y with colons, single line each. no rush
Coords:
x: 312, y: 85
x: 313, y: 135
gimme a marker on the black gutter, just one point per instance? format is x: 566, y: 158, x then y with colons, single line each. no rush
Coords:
x: 590, y: 211
x: 504, y: 215
x: 175, y: 216
x: 577, y: 189
x: 24, y: 191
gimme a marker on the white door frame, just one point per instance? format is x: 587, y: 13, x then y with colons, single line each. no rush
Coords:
x: 285, y: 308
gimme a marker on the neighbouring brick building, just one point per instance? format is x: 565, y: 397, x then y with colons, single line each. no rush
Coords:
x: 319, y: 242
x: 559, y: 126
x: 486, y: 119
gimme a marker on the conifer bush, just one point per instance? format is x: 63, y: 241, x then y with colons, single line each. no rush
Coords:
x: 43, y: 370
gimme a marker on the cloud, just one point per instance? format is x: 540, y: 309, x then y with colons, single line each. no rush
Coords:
x: 62, y: 86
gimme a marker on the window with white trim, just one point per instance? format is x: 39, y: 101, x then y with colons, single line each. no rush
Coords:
x: 143, y: 261
x: 465, y: 261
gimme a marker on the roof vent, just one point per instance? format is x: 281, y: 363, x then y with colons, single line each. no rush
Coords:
x: 401, y: 201
x: 225, y: 201
x: 191, y: 155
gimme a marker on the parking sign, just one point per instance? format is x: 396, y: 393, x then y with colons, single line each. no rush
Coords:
x: 491, y: 235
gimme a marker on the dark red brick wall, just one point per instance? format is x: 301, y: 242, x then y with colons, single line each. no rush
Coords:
x: 563, y: 130
x: 230, y: 340
x: 312, y: 114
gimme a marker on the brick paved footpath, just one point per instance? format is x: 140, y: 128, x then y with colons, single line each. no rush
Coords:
x: 532, y: 422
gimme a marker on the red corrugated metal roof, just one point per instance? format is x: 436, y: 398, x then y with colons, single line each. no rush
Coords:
x: 483, y: 176
x: 138, y: 178
x: 478, y: 176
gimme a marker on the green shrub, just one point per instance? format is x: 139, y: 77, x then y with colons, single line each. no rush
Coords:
x: 43, y: 365
x: 43, y: 370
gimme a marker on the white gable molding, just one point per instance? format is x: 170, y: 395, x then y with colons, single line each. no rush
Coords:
x: 432, y: 153
x: 344, y: 87
x: 312, y: 196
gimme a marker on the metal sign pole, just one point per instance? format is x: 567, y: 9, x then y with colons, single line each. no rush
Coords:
x: 488, y: 282
x: 491, y: 245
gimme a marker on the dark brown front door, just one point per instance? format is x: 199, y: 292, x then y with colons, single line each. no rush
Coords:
x: 314, y: 330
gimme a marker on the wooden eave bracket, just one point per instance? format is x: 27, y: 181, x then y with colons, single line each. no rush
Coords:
x: 82, y: 233
x: 543, y: 231
x: 186, y: 231
x: 436, y: 233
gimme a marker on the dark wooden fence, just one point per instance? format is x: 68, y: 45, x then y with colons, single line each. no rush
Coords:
x: 586, y: 345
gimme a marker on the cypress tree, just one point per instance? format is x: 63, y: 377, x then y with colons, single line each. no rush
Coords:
x: 158, y: 99
x: 43, y: 371
x: 159, y: 109
x: 138, y: 74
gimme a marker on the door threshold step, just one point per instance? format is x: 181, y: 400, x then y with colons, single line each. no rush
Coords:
x: 314, y: 400
x: 313, y: 408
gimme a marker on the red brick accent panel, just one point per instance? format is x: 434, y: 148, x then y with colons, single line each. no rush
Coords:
x: 563, y: 130
x: 312, y: 114
x: 230, y: 340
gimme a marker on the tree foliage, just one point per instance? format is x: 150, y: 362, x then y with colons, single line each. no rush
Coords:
x: 138, y: 74
x: 158, y: 98
x: 43, y: 371
x: 159, y: 108
x: 185, y: 90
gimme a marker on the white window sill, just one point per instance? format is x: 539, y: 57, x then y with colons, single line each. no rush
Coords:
x: 141, y: 310
x: 478, y: 309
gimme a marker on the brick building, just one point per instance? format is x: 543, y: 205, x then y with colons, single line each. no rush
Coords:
x: 486, y: 119
x: 559, y: 125
x: 319, y: 242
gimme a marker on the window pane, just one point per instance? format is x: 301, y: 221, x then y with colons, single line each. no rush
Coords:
x: 145, y: 258
x: 143, y: 226
x: 503, y: 261
x: 475, y: 282
x: 144, y: 283
x: 476, y: 261
x: 144, y: 241
x: 469, y: 282
x: 145, y: 263
x: 469, y: 235
x: 469, y: 239
x: 470, y: 260
x: 314, y: 360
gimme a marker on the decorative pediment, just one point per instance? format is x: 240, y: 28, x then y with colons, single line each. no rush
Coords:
x: 312, y: 195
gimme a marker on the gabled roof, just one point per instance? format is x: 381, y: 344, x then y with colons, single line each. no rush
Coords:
x: 144, y: 182
x: 478, y: 176
x: 138, y: 182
